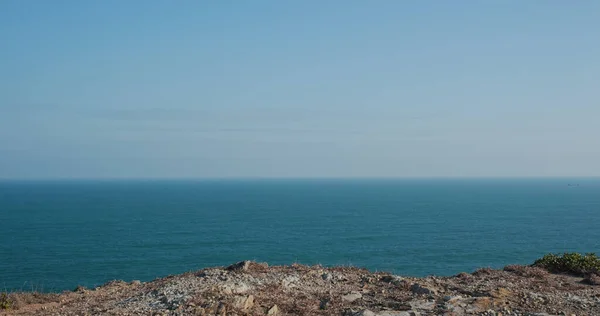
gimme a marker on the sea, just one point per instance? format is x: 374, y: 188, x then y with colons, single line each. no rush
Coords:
x: 56, y: 235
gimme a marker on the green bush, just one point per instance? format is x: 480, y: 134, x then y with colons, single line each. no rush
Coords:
x: 572, y: 263
x: 5, y: 301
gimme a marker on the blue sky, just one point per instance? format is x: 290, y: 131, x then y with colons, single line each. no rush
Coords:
x: 195, y: 89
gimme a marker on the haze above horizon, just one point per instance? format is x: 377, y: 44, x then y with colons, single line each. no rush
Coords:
x: 272, y: 89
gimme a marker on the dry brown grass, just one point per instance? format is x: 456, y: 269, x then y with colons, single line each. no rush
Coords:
x: 19, y: 300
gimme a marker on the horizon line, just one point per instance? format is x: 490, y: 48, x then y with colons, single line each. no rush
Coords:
x: 291, y: 178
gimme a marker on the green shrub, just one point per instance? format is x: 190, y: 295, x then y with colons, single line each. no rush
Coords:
x: 572, y: 263
x: 5, y: 301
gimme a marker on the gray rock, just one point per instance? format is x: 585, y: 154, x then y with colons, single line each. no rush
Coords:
x: 367, y: 312
x: 222, y: 309
x: 398, y: 313
x: 456, y: 310
x: 424, y: 305
x: 421, y: 290
x: 212, y: 272
x: 289, y: 281
x: 394, y: 279
x: 451, y: 299
x: 364, y: 312
x: 324, y: 304
x: 235, y: 288
x: 240, y: 266
x: 351, y: 297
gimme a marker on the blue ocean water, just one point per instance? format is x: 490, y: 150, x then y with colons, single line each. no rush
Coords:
x: 56, y: 235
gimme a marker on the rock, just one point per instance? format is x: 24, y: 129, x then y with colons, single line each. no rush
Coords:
x: 451, y: 299
x: 397, y: 313
x: 324, y: 304
x: 263, y: 265
x: 351, y: 297
x: 364, y: 312
x: 480, y: 304
x: 289, y: 281
x: 199, y: 311
x: 211, y: 272
x: 235, y: 288
x: 222, y: 309
x: 425, y: 305
x: 456, y: 310
x: 394, y: 279
x: 240, y: 266
x: 326, y: 276
x: 500, y: 293
x: 421, y: 290
x: 136, y: 282
x: 592, y: 279
x: 273, y: 310
x: 243, y: 302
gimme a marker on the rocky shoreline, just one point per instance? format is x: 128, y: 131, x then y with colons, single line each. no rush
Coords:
x: 250, y: 288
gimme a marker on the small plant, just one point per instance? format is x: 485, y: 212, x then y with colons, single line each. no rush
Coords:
x: 5, y: 301
x: 571, y: 263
